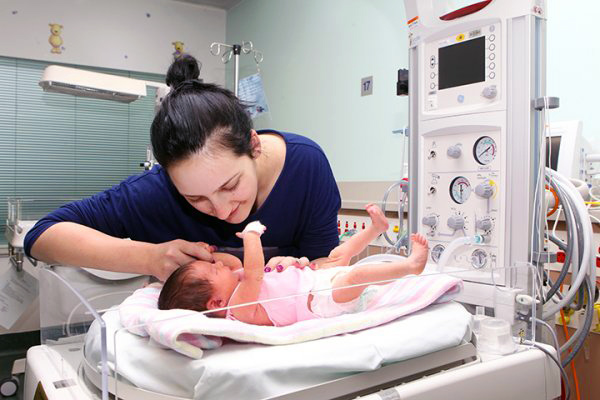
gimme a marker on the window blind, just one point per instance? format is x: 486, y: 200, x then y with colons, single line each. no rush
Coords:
x: 56, y: 147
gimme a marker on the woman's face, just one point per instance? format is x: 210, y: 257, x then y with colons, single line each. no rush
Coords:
x: 220, y: 184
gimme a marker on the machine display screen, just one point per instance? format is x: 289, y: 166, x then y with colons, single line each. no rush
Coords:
x: 462, y: 63
x: 552, y: 149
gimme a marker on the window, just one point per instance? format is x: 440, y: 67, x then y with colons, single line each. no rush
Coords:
x: 56, y: 146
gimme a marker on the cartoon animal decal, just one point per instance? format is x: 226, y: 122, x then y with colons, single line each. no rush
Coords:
x: 55, y: 40
x: 178, y: 49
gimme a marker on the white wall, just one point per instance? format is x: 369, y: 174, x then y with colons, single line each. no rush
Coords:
x: 315, y: 54
x: 132, y: 35
x: 574, y: 62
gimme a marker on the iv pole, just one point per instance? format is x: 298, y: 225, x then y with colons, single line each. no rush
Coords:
x: 235, y: 50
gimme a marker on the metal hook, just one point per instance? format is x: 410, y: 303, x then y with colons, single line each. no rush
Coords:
x: 216, y: 46
x: 226, y: 57
x: 247, y: 46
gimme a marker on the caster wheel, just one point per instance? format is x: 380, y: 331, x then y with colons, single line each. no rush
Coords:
x: 9, y: 387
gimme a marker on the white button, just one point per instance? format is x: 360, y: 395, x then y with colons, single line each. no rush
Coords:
x: 432, y: 85
x: 492, y: 56
x: 492, y: 75
x: 492, y: 47
x: 492, y: 37
x: 492, y: 28
x: 432, y: 75
x: 492, y: 65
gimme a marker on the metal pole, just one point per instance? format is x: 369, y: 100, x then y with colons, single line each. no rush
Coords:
x: 236, y: 67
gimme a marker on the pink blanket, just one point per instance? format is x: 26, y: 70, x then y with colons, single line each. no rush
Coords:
x: 189, y: 332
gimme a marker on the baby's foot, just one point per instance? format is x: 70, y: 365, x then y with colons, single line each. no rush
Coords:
x: 378, y: 219
x: 418, y: 256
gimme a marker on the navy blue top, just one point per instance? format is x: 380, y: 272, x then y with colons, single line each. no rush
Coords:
x: 300, y: 212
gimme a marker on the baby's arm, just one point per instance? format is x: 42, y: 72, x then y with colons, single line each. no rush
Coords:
x: 228, y: 260
x: 249, y: 288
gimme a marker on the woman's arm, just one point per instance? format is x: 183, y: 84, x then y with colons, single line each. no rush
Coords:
x: 249, y: 288
x: 69, y: 243
x: 90, y: 232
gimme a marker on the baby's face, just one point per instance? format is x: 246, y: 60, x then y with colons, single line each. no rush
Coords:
x: 222, y: 278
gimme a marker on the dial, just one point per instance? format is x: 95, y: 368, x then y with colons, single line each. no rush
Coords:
x: 436, y: 252
x: 460, y: 189
x: 484, y: 150
x: 479, y: 259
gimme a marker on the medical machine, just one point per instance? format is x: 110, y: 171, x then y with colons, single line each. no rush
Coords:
x: 478, y: 118
x: 476, y: 183
x: 566, y: 149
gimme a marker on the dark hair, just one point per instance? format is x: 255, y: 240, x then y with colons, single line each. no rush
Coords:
x: 185, y: 290
x: 194, y: 111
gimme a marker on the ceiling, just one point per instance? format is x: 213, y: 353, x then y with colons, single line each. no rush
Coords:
x: 223, y: 4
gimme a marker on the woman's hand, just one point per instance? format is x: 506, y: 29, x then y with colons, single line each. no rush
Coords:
x: 279, y: 264
x: 167, y: 257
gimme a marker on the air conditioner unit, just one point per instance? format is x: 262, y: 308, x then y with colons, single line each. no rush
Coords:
x: 91, y: 84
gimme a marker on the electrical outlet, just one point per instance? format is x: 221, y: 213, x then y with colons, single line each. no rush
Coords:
x: 359, y: 222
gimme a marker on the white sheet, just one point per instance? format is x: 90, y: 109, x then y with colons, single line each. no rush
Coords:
x: 260, y: 371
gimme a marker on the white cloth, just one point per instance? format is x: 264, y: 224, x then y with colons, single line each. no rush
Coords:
x: 261, y: 371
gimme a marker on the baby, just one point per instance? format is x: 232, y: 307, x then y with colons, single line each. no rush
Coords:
x: 203, y: 286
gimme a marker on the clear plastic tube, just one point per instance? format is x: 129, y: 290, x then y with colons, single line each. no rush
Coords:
x: 454, y: 245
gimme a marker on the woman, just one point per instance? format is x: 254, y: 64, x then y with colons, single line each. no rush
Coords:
x: 216, y: 174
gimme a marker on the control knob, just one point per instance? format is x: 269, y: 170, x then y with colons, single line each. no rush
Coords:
x: 454, y: 151
x: 456, y: 222
x: 484, y: 224
x: 490, y: 92
x: 484, y: 190
x: 430, y: 220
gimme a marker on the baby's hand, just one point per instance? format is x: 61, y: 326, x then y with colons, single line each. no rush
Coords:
x: 254, y: 226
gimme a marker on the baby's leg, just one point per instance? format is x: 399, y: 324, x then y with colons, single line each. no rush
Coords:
x: 367, y: 273
x: 343, y: 253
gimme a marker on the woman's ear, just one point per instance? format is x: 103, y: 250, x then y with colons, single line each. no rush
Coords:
x: 255, y: 144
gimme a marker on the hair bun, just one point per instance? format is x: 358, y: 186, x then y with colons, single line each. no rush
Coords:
x: 182, y: 69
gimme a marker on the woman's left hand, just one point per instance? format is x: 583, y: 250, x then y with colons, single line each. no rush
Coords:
x: 279, y: 264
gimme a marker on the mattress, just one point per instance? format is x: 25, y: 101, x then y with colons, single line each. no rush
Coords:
x: 255, y: 371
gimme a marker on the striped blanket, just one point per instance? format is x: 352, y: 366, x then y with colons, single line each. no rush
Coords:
x: 191, y: 332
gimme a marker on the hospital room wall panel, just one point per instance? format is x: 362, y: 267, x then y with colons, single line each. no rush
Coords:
x: 315, y: 55
x: 133, y: 35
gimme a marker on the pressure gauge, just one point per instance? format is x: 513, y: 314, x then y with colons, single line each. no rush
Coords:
x: 484, y: 150
x: 460, y: 189
x: 479, y: 259
x: 436, y: 252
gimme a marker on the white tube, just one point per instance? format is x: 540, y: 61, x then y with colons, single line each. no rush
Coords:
x: 582, y: 188
x: 587, y: 266
x: 455, y: 244
x: 592, y: 158
x: 588, y: 232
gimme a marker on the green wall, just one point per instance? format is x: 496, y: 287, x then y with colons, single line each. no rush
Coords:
x: 317, y: 51
x: 315, y: 54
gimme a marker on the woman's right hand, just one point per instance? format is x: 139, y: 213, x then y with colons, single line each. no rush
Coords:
x: 280, y: 264
x: 168, y: 256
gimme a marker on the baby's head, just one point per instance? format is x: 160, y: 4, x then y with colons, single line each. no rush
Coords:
x: 198, y: 286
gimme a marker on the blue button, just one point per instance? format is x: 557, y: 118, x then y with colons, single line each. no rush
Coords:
x: 460, y: 98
